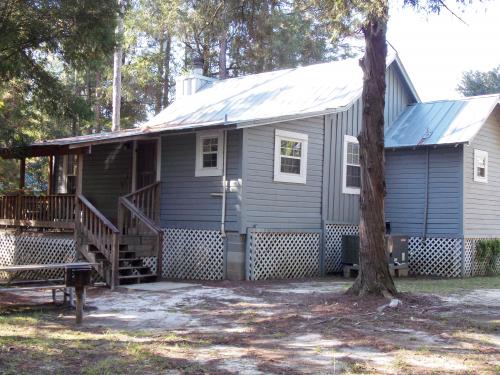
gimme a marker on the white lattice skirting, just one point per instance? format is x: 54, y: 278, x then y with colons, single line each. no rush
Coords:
x: 472, y: 265
x: 193, y: 254
x: 33, y: 249
x: 333, y: 245
x: 283, y: 255
x: 435, y: 256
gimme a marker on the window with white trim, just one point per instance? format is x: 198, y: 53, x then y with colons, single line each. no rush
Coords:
x: 480, y: 166
x: 290, y: 157
x: 209, y: 147
x: 351, y: 167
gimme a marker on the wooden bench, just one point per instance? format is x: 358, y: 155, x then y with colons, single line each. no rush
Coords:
x: 67, y: 292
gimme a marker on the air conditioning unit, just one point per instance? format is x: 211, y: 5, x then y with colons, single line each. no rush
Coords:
x: 396, y: 245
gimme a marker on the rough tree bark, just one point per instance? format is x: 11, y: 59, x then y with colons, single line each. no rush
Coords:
x: 166, y: 78
x: 222, y: 54
x: 117, y: 69
x: 374, y: 276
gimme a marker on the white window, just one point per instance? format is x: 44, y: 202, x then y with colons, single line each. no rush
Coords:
x: 209, y: 146
x: 351, y: 167
x: 480, y: 166
x: 290, y: 157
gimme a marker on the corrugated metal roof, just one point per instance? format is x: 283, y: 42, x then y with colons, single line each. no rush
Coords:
x: 296, y: 92
x: 440, y: 122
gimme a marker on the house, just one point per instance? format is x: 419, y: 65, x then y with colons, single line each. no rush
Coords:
x: 443, y: 181
x: 252, y: 177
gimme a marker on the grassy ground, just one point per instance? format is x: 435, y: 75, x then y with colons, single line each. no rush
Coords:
x: 43, y: 340
x: 445, y: 286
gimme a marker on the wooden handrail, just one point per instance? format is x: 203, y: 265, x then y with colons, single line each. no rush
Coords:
x: 147, y: 200
x: 99, y: 215
x: 140, y: 215
x: 100, y: 232
x: 147, y: 187
x: 38, y: 209
x: 132, y: 219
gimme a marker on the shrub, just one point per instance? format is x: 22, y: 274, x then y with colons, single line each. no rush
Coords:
x: 488, y: 251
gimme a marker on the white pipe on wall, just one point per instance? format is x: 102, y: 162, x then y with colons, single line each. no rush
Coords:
x: 224, y: 185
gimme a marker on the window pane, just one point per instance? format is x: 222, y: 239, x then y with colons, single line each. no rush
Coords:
x: 481, y: 172
x: 352, y: 153
x: 290, y: 148
x: 210, y: 144
x: 210, y: 160
x: 289, y: 165
x: 353, y: 178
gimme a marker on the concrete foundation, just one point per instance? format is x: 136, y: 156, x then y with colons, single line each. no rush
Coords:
x: 235, y: 256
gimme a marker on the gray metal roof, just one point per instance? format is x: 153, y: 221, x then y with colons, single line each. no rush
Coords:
x: 441, y: 122
x: 272, y: 96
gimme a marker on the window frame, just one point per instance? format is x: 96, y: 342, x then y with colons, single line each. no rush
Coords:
x: 348, y: 189
x: 201, y: 171
x: 479, y: 153
x: 283, y: 135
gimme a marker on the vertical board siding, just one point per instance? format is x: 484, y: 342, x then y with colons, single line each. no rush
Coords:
x: 406, y: 191
x: 482, y: 200
x: 397, y: 95
x: 270, y: 204
x: 107, y: 176
x: 186, y: 200
x: 337, y: 206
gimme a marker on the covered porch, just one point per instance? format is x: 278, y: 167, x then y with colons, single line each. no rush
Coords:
x: 104, y: 194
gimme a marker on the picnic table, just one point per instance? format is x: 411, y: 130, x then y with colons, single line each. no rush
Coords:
x: 77, y: 276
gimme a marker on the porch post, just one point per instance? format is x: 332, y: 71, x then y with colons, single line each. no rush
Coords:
x: 50, y: 189
x: 22, y: 173
x: 134, y: 166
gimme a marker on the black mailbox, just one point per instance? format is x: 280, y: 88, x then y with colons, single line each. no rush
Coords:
x: 78, y: 275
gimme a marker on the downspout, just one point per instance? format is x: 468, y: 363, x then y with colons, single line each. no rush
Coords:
x: 224, y: 187
x: 426, y: 205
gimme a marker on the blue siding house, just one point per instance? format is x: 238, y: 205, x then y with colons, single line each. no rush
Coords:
x: 258, y: 177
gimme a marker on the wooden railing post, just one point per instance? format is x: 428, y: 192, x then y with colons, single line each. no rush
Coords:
x: 159, y: 254
x: 115, y: 256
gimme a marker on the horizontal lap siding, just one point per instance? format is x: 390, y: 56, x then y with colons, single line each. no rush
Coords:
x: 186, y: 200
x: 482, y: 200
x: 406, y: 189
x: 107, y: 176
x: 270, y: 204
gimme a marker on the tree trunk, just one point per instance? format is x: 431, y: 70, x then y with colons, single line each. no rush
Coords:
x: 117, y: 69
x: 166, y: 77
x: 97, y: 102
x: 374, y: 276
x: 159, y: 88
x: 222, y: 54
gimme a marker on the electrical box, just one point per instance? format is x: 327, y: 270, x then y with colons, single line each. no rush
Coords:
x: 78, y: 276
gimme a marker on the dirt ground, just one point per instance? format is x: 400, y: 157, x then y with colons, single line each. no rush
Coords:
x: 299, y: 327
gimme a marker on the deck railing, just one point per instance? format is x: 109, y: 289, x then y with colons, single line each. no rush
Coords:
x: 51, y: 211
x: 100, y: 232
x: 147, y: 200
x: 138, y: 214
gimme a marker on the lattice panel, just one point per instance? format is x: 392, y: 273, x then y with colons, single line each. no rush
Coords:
x: 150, y: 262
x: 193, y: 254
x: 473, y: 266
x: 283, y: 255
x: 31, y: 249
x: 333, y: 245
x: 435, y: 256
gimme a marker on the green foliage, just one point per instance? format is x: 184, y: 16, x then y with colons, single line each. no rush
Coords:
x: 488, y: 251
x: 475, y: 82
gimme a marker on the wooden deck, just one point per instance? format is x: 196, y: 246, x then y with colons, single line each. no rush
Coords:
x: 45, y: 211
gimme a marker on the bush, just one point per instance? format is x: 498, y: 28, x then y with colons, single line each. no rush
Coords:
x: 488, y: 251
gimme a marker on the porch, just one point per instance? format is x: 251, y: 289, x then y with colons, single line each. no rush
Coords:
x: 111, y: 222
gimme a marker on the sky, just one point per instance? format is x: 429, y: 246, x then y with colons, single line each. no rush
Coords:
x: 436, y: 49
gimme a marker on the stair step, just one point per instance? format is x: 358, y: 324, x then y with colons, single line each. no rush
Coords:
x: 143, y: 276
x: 133, y: 268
